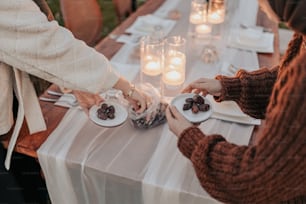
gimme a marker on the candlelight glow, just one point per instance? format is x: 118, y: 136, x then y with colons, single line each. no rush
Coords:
x: 215, y: 18
x: 173, y: 77
x: 196, y: 18
x: 203, y: 29
x: 177, y: 61
x: 152, y: 68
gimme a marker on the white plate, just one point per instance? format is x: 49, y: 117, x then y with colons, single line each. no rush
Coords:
x: 120, y: 115
x: 179, y: 101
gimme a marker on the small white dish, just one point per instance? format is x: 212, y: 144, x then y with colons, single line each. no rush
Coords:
x: 120, y: 115
x: 179, y: 102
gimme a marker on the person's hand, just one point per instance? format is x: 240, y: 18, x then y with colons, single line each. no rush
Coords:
x: 204, y: 86
x: 138, y: 100
x: 176, y: 121
x: 87, y: 100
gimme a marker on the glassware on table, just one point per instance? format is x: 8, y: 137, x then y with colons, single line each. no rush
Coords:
x: 216, y: 11
x: 173, y: 75
x: 198, y: 25
x: 154, y: 115
x: 151, y: 60
x: 215, y: 17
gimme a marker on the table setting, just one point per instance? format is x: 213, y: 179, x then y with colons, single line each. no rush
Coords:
x: 125, y: 161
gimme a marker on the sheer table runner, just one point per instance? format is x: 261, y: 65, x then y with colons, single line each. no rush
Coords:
x: 85, y: 163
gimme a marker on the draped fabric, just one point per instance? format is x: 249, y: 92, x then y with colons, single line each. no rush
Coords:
x: 28, y: 105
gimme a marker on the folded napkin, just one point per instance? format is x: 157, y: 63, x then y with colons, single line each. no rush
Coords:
x: 148, y: 24
x: 230, y: 111
x: 253, y: 39
x: 129, y: 39
x: 67, y: 100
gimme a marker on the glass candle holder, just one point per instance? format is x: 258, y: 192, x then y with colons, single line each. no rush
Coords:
x: 151, y: 60
x: 173, y: 75
x: 198, y: 11
x: 216, y: 11
x: 198, y: 17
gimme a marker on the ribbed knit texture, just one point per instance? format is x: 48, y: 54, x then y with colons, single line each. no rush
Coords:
x: 250, y: 90
x: 274, y: 169
x: 40, y: 84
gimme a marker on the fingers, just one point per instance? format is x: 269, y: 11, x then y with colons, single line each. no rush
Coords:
x: 85, y: 107
x: 169, y: 114
x: 140, y: 101
x: 142, y: 107
x: 187, y: 89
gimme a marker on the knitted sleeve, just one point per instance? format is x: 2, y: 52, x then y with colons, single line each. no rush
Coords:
x: 251, y: 90
x: 273, y: 170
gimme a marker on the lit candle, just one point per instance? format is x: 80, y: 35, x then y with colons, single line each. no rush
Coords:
x: 152, y: 68
x: 196, y: 18
x: 173, y: 77
x: 203, y: 29
x: 215, y: 18
x: 177, y: 61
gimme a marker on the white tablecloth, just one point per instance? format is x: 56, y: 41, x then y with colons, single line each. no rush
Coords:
x: 88, y: 164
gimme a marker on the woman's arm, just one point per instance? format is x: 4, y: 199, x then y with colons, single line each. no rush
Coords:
x: 251, y: 90
x: 273, y: 169
x: 44, y: 49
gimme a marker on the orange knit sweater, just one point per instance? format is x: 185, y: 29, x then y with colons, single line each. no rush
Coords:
x: 274, y: 168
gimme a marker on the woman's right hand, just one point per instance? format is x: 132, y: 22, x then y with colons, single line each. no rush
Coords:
x: 204, y: 86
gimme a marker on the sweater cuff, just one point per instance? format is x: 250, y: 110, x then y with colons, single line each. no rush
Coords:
x: 231, y: 88
x: 189, y: 140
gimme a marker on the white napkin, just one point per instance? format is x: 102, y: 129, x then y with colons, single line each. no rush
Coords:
x: 230, y: 111
x: 252, y: 39
x: 66, y: 100
x: 145, y: 25
x: 129, y: 39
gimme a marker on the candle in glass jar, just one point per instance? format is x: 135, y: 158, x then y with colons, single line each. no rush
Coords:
x: 196, y: 18
x: 203, y: 29
x: 177, y: 61
x: 173, y: 77
x: 152, y: 68
x: 215, y: 18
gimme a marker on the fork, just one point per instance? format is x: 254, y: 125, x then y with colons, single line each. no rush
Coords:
x: 71, y: 103
x: 54, y: 93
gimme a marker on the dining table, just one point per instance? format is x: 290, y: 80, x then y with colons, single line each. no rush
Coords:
x: 83, y: 162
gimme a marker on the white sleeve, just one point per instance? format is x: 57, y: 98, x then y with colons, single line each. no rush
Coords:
x: 29, y: 42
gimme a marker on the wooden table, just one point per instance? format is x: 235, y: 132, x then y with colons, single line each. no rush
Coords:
x: 28, y: 144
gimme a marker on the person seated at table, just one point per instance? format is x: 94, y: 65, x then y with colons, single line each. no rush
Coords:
x: 272, y: 170
x: 30, y: 44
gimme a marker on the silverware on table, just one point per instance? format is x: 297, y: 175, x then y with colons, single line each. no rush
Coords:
x: 53, y: 100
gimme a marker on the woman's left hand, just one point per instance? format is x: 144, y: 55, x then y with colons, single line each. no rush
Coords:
x: 139, y: 100
x: 87, y: 100
x: 176, y: 121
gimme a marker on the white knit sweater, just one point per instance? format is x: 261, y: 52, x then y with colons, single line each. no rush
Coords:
x: 29, y: 43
